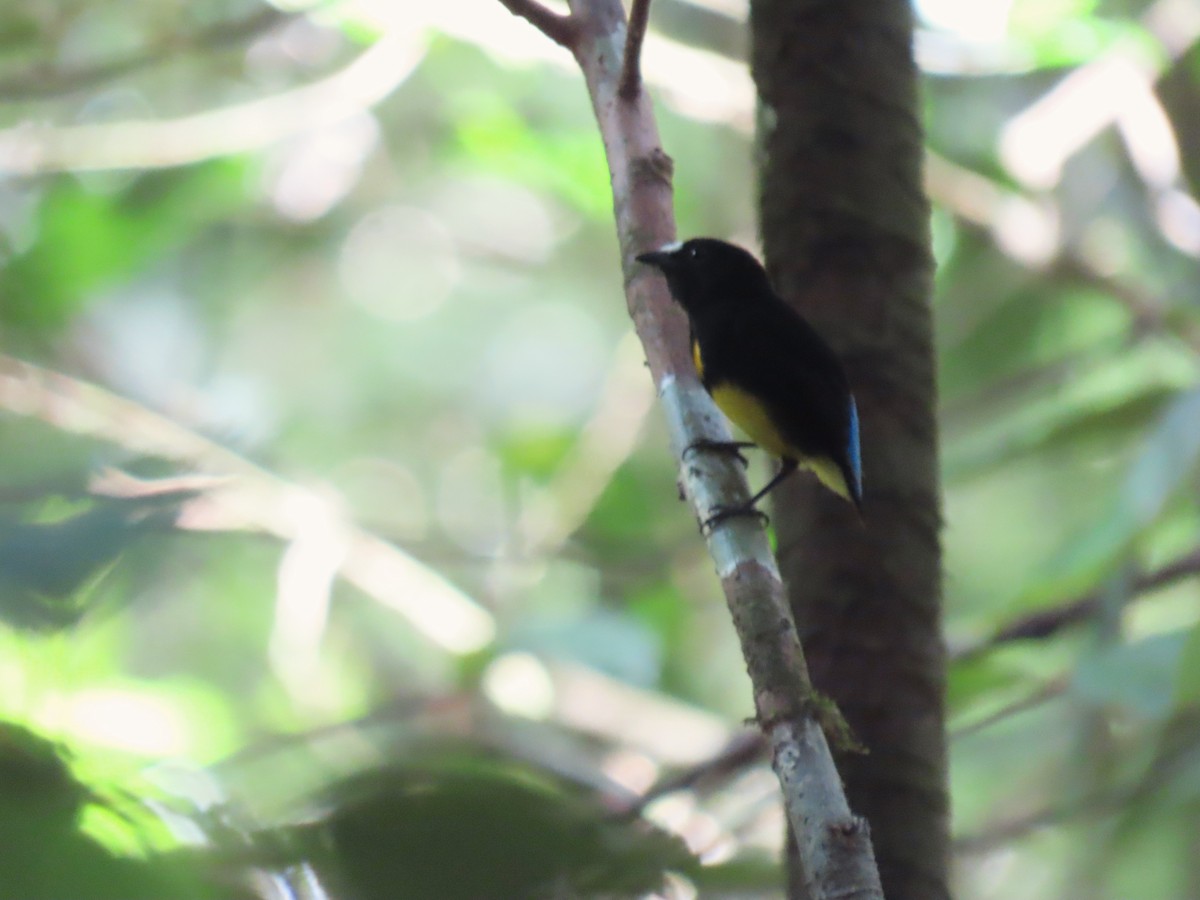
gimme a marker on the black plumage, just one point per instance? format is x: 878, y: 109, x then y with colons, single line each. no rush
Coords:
x: 766, y: 368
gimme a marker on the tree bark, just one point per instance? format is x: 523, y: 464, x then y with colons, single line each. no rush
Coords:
x: 845, y: 234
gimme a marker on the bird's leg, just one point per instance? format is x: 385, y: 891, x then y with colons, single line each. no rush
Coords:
x: 734, y: 447
x: 786, y: 468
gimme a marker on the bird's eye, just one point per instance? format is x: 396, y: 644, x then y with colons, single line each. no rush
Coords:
x: 693, y: 251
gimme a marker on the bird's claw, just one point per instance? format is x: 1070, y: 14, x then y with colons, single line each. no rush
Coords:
x: 719, y: 514
x: 733, y: 447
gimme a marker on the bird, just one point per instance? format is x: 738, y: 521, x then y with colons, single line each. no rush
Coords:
x: 766, y: 368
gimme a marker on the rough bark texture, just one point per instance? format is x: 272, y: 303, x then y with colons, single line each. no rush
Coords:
x: 845, y: 234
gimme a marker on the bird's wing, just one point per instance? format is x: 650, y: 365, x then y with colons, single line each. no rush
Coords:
x: 778, y: 357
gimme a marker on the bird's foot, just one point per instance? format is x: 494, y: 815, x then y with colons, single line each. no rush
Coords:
x: 733, y: 447
x: 719, y: 514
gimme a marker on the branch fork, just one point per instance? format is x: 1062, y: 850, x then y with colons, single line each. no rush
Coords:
x: 564, y: 30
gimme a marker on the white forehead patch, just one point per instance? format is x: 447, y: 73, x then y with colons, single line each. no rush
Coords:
x: 672, y: 247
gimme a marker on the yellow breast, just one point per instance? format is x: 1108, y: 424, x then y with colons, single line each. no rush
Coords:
x: 745, y: 411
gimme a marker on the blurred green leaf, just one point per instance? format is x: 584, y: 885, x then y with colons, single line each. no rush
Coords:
x: 987, y: 678
x: 1154, y: 858
x: 18, y: 28
x: 474, y: 829
x: 658, y: 606
x: 46, y: 566
x: 46, y: 855
x: 1140, y: 676
x: 40, y: 459
x: 1063, y: 424
x: 492, y: 136
x: 1166, y: 463
x: 746, y: 876
x: 610, y: 641
x: 633, y: 503
x: 1179, y: 92
x: 1056, y: 330
x: 88, y: 240
x: 535, y: 451
x: 1187, y: 690
x: 1067, y: 32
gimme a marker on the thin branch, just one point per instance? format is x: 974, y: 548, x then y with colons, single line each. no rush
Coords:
x: 743, y: 750
x: 1044, y: 693
x: 631, y: 69
x: 1174, y: 756
x: 559, y: 28
x: 1046, y: 623
x: 1005, y: 832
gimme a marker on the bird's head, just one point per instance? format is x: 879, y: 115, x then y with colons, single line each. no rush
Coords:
x: 706, y: 272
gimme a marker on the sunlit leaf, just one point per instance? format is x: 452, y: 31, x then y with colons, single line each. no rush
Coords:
x: 47, y: 855
x: 1064, y: 32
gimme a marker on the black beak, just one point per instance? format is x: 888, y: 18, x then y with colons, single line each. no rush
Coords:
x: 660, y: 259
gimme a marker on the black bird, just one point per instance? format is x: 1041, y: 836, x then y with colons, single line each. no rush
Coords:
x: 766, y: 368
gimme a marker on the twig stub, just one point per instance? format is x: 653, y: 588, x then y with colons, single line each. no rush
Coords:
x: 657, y: 167
x: 559, y: 28
x: 631, y: 71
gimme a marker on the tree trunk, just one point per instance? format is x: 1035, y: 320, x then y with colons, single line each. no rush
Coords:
x: 845, y: 233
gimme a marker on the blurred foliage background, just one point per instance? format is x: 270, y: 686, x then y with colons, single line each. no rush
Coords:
x: 327, y: 451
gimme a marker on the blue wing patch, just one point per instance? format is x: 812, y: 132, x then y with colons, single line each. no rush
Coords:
x: 853, y: 451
